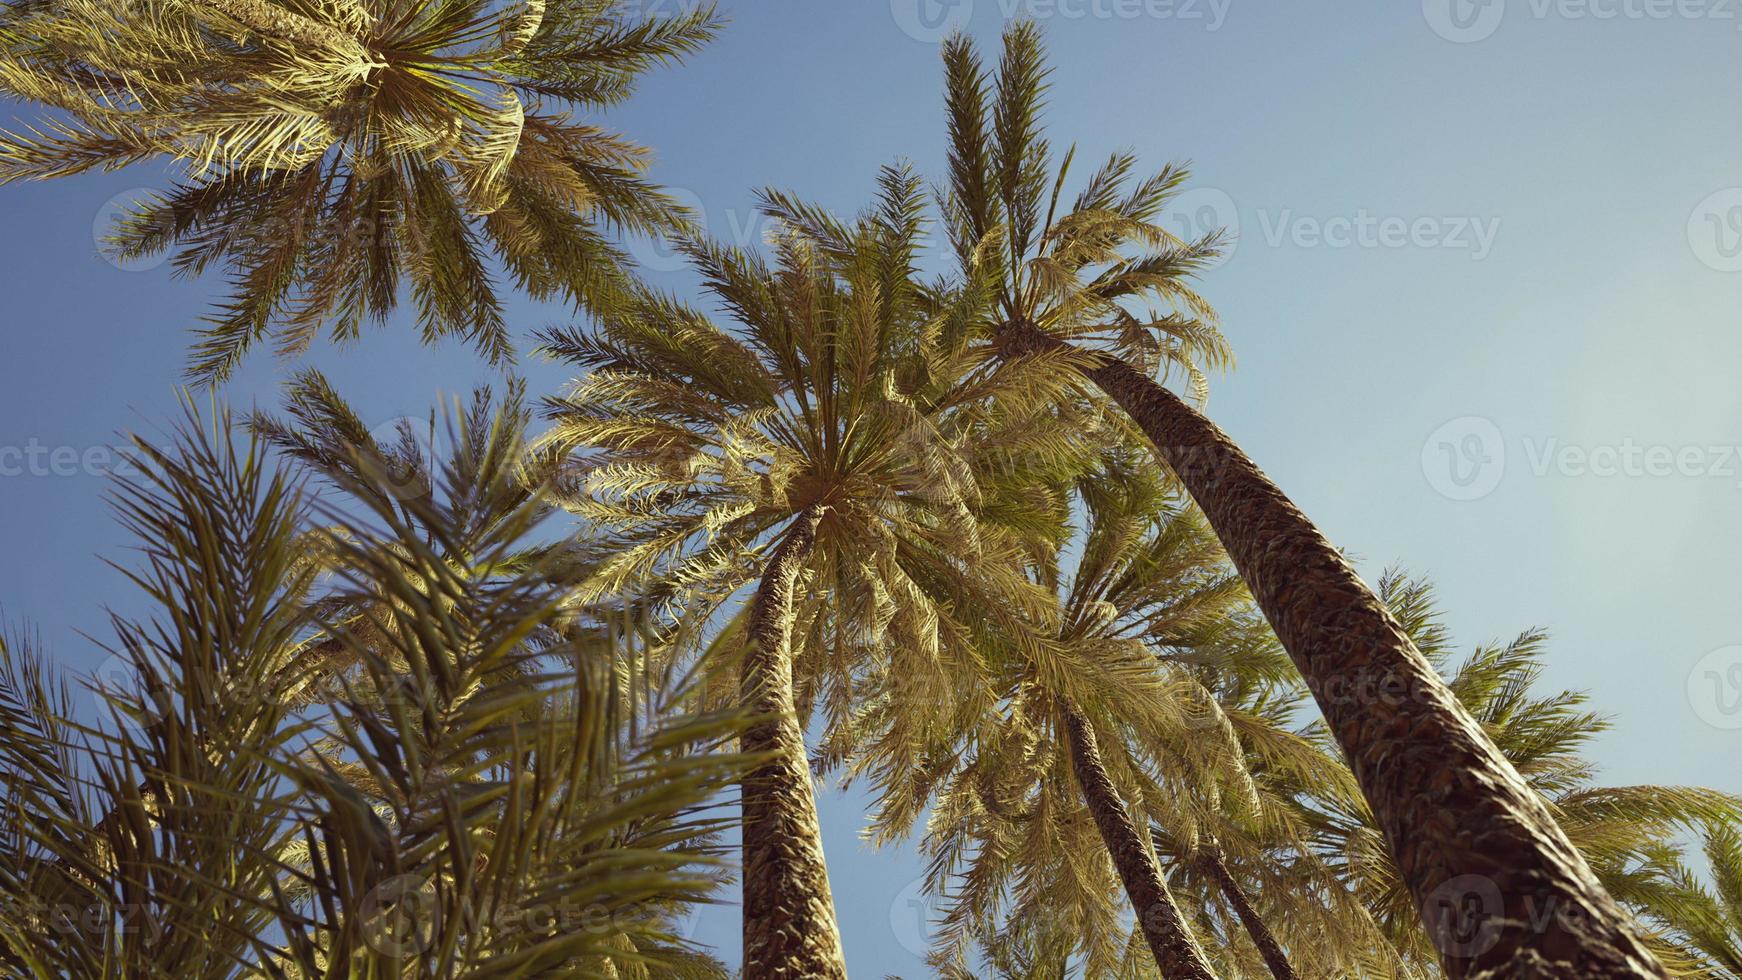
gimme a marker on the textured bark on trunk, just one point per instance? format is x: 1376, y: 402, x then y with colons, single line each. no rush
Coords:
x: 270, y: 20
x: 1256, y: 930
x: 1176, y: 953
x: 789, y: 913
x: 1502, y: 891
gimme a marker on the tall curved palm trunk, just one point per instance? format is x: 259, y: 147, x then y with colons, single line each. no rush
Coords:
x: 1501, y: 889
x: 1256, y: 929
x: 789, y: 913
x: 1176, y: 953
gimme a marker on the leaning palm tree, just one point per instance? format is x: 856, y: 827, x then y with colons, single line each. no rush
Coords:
x: 1247, y: 870
x: 1027, y: 812
x: 1621, y: 832
x: 329, y: 153
x: 1043, y: 808
x: 811, y: 455
x: 1075, y: 283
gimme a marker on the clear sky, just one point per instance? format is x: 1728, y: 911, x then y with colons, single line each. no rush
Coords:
x: 1485, y: 300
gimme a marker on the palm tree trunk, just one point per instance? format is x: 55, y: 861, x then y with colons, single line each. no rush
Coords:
x: 1496, y: 880
x: 1177, y: 954
x: 789, y: 914
x: 1261, y: 936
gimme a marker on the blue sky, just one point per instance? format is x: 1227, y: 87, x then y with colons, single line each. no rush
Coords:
x: 1485, y: 300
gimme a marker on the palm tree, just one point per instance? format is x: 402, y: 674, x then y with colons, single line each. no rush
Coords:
x: 1254, y: 878
x: 329, y: 152
x: 218, y: 544
x: 1703, y: 915
x: 1135, y: 580
x: 1621, y: 832
x: 1043, y: 807
x: 812, y: 454
x: 523, y: 733
x: 487, y: 480
x: 514, y: 828
x: 1448, y: 801
x: 1250, y: 873
x: 1270, y: 948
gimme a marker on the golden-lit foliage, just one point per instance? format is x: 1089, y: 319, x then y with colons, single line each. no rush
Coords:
x: 466, y: 798
x: 403, y: 712
x: 844, y: 382
x: 330, y: 152
x: 1100, y: 267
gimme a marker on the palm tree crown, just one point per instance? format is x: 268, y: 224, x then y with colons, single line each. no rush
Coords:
x: 1100, y: 267
x: 469, y: 802
x: 822, y: 446
x: 330, y: 152
x: 1158, y: 653
x: 846, y: 385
